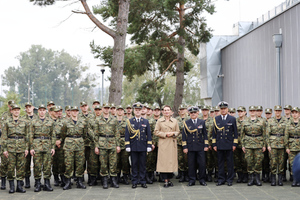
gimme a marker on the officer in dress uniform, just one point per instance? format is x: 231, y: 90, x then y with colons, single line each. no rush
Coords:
x: 225, y: 139
x: 138, y: 141
x: 194, y: 143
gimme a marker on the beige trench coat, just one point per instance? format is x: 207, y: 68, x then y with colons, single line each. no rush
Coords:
x: 167, y: 147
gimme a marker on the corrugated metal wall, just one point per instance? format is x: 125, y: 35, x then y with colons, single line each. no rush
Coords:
x: 249, y: 64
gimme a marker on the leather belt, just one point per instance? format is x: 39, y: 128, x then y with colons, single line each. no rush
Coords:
x: 16, y: 137
x: 58, y: 137
x: 295, y: 136
x: 278, y: 135
x: 42, y: 138
x: 74, y: 136
x: 122, y: 136
x: 253, y: 135
x: 107, y: 136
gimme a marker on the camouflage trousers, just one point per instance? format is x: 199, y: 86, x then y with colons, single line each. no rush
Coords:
x: 182, y: 159
x: 93, y: 164
x: 42, y: 163
x: 123, y: 162
x: 58, y: 164
x: 240, y: 163
x: 277, y: 160
x: 16, y: 165
x: 215, y: 160
x: 108, y: 162
x: 87, y: 153
x: 210, y: 162
x: 3, y: 166
x: 292, y: 156
x: 254, y: 158
x: 74, y: 158
x: 151, y: 160
x: 266, y: 162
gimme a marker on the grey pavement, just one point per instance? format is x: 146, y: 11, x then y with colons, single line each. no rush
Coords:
x: 156, y: 191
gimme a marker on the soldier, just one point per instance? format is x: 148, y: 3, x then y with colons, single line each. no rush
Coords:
x: 266, y: 160
x: 68, y: 112
x: 212, y: 112
x: 113, y: 110
x: 182, y: 157
x: 30, y: 116
x: 138, y: 142
x: 287, y: 115
x: 129, y: 111
x: 195, y: 143
x: 123, y: 156
x: 107, y: 145
x: 259, y: 112
x: 144, y: 112
x: 149, y: 112
x: 232, y: 112
x: 292, y: 140
x: 225, y: 139
x: 52, y: 114
x: 275, y: 141
x: 15, y: 144
x: 42, y: 143
x: 96, y: 103
x: 253, y: 144
x: 217, y: 111
x: 239, y: 156
x: 4, y: 160
x: 73, y: 133
x: 49, y: 105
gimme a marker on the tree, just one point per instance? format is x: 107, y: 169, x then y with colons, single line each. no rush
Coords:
x: 45, y: 75
x: 11, y: 96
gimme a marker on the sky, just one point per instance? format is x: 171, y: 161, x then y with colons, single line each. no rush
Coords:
x: 55, y: 27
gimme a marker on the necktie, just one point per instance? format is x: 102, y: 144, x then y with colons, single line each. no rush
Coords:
x: 138, y: 122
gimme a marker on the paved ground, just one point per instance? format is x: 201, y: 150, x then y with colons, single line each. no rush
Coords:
x: 156, y: 191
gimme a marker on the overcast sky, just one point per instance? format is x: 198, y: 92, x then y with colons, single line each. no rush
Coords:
x: 23, y: 25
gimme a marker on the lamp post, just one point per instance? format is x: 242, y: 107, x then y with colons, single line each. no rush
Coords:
x: 102, y: 69
x: 277, y: 39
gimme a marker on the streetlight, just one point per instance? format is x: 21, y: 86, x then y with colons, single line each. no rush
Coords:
x: 102, y: 69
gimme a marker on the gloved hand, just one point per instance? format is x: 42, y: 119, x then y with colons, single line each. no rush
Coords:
x: 128, y: 149
x: 149, y: 149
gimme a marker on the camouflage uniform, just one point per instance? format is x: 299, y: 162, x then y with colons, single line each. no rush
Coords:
x: 4, y: 160
x: 93, y: 164
x: 152, y: 155
x: 240, y: 163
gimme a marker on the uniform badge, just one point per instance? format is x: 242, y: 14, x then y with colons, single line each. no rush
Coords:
x: 200, y: 126
x: 132, y: 125
x: 229, y: 124
x: 144, y: 125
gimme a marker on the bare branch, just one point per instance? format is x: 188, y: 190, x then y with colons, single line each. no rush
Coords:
x: 166, y: 69
x: 63, y: 20
x: 79, y: 12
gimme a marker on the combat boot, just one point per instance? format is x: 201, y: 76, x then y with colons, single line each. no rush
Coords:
x: 186, y: 177
x: 257, y: 180
x: 178, y: 175
x: 3, y: 183
x: 209, y: 176
x: 125, y: 179
x: 240, y: 177
x: 280, y: 180
x: 104, y: 182
x: 79, y: 183
x: 114, y: 182
x: 67, y: 184
x: 148, y: 180
x: 89, y: 179
x: 47, y: 186
x: 27, y: 181
x: 181, y: 179
x: 62, y: 178
x: 20, y: 187
x: 56, y: 180
x: 93, y: 181
x: 273, y: 179
x: 291, y: 177
x: 251, y: 180
x: 267, y: 177
x: 283, y: 176
x: 37, y: 185
x: 245, y: 177
x: 11, y: 186
x: 216, y: 176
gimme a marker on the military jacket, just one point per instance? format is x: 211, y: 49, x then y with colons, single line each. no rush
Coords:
x: 15, y: 135
x: 106, y: 132
x: 138, y: 135
x: 253, y: 133
x: 41, y: 135
x: 181, y: 127
x: 292, y: 136
x: 225, y: 134
x: 194, y: 136
x: 121, y: 129
x: 73, y: 134
x: 6, y: 115
x: 90, y: 116
x: 152, y: 123
x: 239, y: 130
x: 29, y: 119
x: 209, y: 126
x: 275, y: 133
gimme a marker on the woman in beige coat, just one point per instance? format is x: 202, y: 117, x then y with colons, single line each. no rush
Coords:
x: 167, y: 130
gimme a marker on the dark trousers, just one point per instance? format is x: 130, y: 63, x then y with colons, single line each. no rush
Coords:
x: 228, y: 155
x: 138, y: 166
x: 196, y: 158
x: 166, y: 175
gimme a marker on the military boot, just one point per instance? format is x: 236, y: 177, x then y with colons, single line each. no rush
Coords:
x: 280, y: 180
x: 3, y: 183
x: 89, y: 179
x: 178, y: 175
x: 20, y: 187
x: 291, y: 177
x: 216, y: 177
x: 209, y: 176
x: 114, y: 182
x: 186, y: 176
x: 67, y: 184
x: 11, y: 186
x: 27, y: 181
x: 181, y: 177
x: 104, y: 182
x: 125, y: 179
x: 283, y: 176
x: 93, y: 181
x: 251, y: 180
x: 148, y: 180
x: 240, y: 177
x: 257, y: 180
x: 47, y: 186
x: 263, y: 175
x: 56, y: 180
x: 37, y: 185
x: 267, y: 177
x: 62, y: 178
x: 245, y: 177
x: 273, y: 179
x: 79, y: 183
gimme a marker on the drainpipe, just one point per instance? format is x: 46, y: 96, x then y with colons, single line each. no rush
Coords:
x: 277, y: 39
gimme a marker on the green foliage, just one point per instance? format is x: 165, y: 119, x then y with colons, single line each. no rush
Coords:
x: 55, y: 75
x: 11, y: 96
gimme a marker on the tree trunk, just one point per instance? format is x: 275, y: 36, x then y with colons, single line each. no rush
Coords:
x: 180, y: 66
x: 115, y: 89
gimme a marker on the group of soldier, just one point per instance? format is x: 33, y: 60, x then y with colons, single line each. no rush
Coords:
x: 102, y: 141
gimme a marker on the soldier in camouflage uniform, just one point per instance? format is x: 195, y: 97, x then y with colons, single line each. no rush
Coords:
x: 107, y: 142
x: 68, y: 112
x: 182, y: 157
x: 240, y: 162
x: 253, y: 144
x: 287, y: 115
x: 49, y: 105
x: 292, y: 140
x: 113, y: 110
x: 15, y: 143
x: 129, y: 111
x: 275, y: 141
x: 232, y: 112
x: 42, y: 143
x: 73, y: 133
x: 266, y: 160
x: 4, y: 160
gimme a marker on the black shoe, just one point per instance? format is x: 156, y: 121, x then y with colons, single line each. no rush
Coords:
x: 240, y: 177
x: 191, y: 184
x: 209, y: 177
x: 170, y: 184
x: 37, y: 185
x: 280, y: 179
x: 134, y: 186
x: 257, y: 180
x: 251, y: 180
x: 166, y: 185
x: 294, y: 184
x: 186, y: 177
x: 298, y: 184
x: 104, y: 182
x: 3, y: 183
x: 203, y: 183
x: 273, y: 179
x: 56, y: 180
x: 220, y: 183
x: 144, y: 185
x: 11, y: 186
x: 229, y: 183
x: 67, y: 184
x: 20, y: 187
x: 148, y: 180
x: 47, y: 186
x: 79, y: 183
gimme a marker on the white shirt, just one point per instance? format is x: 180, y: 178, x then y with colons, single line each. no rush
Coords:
x: 224, y: 117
